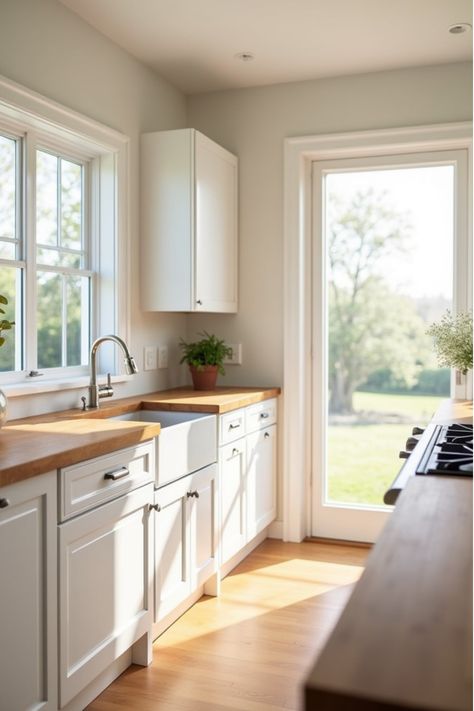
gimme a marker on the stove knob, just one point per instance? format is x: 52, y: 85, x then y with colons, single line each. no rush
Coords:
x: 404, y: 455
x: 417, y: 431
x: 411, y: 443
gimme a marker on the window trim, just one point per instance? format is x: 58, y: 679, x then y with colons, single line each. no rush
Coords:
x: 61, y: 129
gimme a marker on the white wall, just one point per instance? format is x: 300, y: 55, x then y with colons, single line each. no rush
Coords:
x: 47, y: 48
x: 253, y: 123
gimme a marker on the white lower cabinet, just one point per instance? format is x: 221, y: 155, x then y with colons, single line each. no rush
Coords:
x: 28, y: 583
x: 185, y: 539
x: 261, y: 476
x: 247, y: 475
x: 232, y: 463
x: 172, y: 548
x: 105, y: 587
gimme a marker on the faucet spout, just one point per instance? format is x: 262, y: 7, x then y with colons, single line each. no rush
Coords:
x: 99, y: 391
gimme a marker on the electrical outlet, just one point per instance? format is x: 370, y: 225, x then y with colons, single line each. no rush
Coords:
x: 236, y: 357
x: 163, y: 357
x: 149, y: 358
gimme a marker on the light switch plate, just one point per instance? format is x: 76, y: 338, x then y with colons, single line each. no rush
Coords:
x: 236, y: 357
x: 149, y: 358
x: 163, y: 357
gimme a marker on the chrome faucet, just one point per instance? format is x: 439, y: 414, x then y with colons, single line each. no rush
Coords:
x: 99, y: 391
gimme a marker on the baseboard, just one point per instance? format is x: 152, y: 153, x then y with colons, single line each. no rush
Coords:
x: 338, y: 542
x: 159, y: 627
x: 275, y: 530
x: 101, y: 682
x: 243, y: 553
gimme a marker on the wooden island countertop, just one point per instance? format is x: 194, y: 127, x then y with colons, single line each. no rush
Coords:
x: 404, y: 640
x: 35, y: 445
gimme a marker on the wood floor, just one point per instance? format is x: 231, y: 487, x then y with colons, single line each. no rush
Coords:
x: 249, y: 649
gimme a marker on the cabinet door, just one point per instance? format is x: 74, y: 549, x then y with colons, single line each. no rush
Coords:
x: 172, y: 548
x: 28, y: 652
x: 233, y: 527
x: 202, y: 498
x: 261, y: 480
x: 216, y: 227
x: 105, y: 587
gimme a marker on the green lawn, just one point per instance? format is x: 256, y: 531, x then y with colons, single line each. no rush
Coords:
x: 363, y: 459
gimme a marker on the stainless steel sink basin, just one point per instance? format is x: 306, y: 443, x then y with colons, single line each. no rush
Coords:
x: 187, y: 441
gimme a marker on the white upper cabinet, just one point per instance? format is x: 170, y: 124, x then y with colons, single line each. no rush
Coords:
x: 188, y: 223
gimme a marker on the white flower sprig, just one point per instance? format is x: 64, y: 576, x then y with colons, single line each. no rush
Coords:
x: 453, y: 341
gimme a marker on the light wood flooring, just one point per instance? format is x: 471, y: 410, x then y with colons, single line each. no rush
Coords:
x: 249, y: 649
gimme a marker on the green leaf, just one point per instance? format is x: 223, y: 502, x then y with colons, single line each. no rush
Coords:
x: 3, y: 299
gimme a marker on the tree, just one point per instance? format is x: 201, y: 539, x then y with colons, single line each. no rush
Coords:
x: 370, y: 327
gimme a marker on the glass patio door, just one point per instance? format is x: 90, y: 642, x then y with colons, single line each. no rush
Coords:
x: 389, y: 259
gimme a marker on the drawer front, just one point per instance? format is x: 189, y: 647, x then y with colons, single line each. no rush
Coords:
x: 231, y: 426
x: 86, y: 485
x: 261, y: 415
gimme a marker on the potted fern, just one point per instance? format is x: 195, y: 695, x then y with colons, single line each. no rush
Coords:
x: 205, y: 359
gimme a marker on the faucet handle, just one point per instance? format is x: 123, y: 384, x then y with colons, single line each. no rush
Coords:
x: 106, y: 390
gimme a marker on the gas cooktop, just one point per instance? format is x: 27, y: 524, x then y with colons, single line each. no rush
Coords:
x: 437, y: 450
x: 448, y: 452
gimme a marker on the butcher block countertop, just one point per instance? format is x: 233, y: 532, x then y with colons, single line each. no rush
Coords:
x: 404, y: 640
x: 35, y: 445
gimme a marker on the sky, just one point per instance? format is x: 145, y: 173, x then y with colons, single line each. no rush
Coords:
x: 425, y: 195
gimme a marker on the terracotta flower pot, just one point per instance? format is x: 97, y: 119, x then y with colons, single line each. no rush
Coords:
x: 204, y: 379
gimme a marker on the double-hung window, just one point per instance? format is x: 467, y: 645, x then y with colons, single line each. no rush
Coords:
x: 63, y: 256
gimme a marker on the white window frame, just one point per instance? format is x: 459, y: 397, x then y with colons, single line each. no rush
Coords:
x: 299, y: 154
x: 43, y: 123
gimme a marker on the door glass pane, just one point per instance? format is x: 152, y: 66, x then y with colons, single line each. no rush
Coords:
x: 389, y: 239
x: 49, y: 314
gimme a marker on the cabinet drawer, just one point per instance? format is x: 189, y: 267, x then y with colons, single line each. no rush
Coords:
x: 86, y: 485
x: 231, y: 426
x: 261, y: 415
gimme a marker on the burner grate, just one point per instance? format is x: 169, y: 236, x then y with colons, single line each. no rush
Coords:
x: 450, y: 451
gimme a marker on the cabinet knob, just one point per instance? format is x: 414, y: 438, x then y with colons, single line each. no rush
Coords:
x: 235, y: 452
x: 4, y: 503
x: 154, y: 507
x: 190, y: 494
x: 199, y: 302
x: 264, y: 415
x: 266, y: 435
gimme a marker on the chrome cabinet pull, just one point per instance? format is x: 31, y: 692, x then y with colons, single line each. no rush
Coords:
x: 4, y: 503
x: 266, y: 435
x: 190, y: 494
x: 264, y: 415
x: 199, y: 302
x: 234, y: 426
x: 235, y: 452
x: 154, y: 507
x: 117, y: 474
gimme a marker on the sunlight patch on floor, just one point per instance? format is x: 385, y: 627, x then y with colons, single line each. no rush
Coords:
x: 298, y: 580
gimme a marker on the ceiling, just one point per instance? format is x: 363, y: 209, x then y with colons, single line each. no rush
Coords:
x: 193, y: 43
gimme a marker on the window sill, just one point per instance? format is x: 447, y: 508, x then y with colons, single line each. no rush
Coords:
x: 12, y: 390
